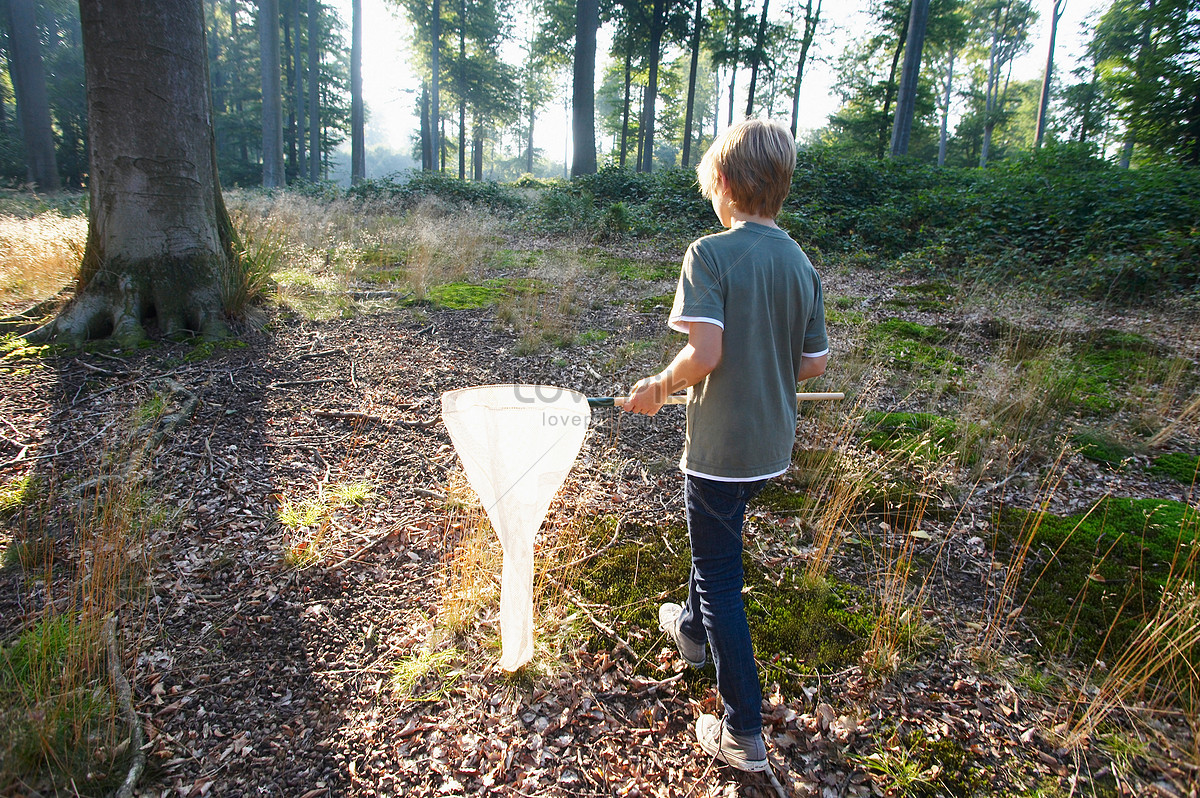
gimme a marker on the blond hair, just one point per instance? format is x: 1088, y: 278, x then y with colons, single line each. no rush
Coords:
x: 756, y: 157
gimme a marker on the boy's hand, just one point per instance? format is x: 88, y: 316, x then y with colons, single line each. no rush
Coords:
x: 646, y: 396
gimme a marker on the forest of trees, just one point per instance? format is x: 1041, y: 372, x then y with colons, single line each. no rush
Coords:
x: 673, y: 74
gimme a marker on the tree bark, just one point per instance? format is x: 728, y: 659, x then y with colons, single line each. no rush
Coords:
x: 691, y: 97
x: 160, y: 244
x: 906, y: 100
x: 272, y: 94
x: 358, y: 153
x: 462, y: 90
x: 625, y: 106
x: 314, y: 104
x: 298, y: 90
x: 891, y: 83
x: 289, y: 91
x: 33, y: 104
x: 583, y: 89
x: 477, y: 150
x: 993, y: 89
x: 426, y: 153
x: 756, y: 57
x: 529, y: 143
x: 1044, y: 104
x: 942, y: 137
x: 435, y: 49
x: 811, y: 20
x: 657, y: 27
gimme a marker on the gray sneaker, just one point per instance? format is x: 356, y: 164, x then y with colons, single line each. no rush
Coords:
x: 693, y: 653
x: 744, y: 752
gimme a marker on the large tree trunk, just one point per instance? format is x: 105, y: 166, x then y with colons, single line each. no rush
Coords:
x: 691, y: 97
x: 583, y: 88
x: 811, y: 20
x: 906, y: 100
x: 160, y: 244
x: 756, y: 57
x: 314, y: 100
x: 29, y: 86
x: 650, y: 100
x: 358, y: 154
x: 272, y: 95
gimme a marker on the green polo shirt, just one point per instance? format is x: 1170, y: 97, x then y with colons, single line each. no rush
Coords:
x: 756, y: 284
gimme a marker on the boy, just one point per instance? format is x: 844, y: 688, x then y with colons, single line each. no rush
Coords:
x: 751, y: 305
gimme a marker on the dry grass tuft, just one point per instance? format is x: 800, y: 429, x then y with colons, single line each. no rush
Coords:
x: 62, y: 714
x: 39, y: 255
x: 1159, y: 665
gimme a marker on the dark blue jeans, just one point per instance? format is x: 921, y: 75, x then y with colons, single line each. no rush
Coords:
x: 714, y: 608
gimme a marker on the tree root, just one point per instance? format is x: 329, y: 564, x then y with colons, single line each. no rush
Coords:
x: 137, y: 738
x: 32, y: 317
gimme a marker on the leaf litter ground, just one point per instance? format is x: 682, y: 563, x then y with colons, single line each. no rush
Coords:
x: 267, y: 658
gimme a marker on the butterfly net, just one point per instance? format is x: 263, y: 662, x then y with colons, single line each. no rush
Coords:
x: 516, y: 443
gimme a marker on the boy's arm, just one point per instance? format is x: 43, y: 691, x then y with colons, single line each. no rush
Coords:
x: 812, y: 367
x: 693, y: 363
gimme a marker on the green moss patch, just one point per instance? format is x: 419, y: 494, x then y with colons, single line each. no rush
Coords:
x: 1101, y: 448
x: 913, y: 347
x: 631, y: 269
x: 1109, y: 368
x: 659, y: 303
x: 1179, y: 466
x: 796, y: 627
x: 57, y: 712
x: 779, y: 497
x: 472, y: 296
x: 464, y: 296
x: 1092, y: 572
x: 921, y: 435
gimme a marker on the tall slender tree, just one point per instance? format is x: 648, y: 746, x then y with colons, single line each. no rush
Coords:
x: 298, y: 87
x: 358, y: 156
x: 1005, y: 26
x: 272, y: 94
x: 314, y: 97
x: 906, y: 100
x: 756, y: 56
x: 812, y: 18
x: 1044, y: 103
x: 436, y: 129
x: 33, y: 104
x: 691, y: 96
x: 583, y: 91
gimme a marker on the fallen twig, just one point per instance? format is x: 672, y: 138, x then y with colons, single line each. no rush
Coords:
x: 347, y: 415
x: 299, y: 383
x: 125, y: 696
x: 608, y: 630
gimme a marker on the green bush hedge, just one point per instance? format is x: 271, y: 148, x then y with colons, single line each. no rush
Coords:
x: 1060, y: 217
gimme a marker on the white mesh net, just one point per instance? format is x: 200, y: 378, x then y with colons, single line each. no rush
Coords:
x: 516, y: 443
